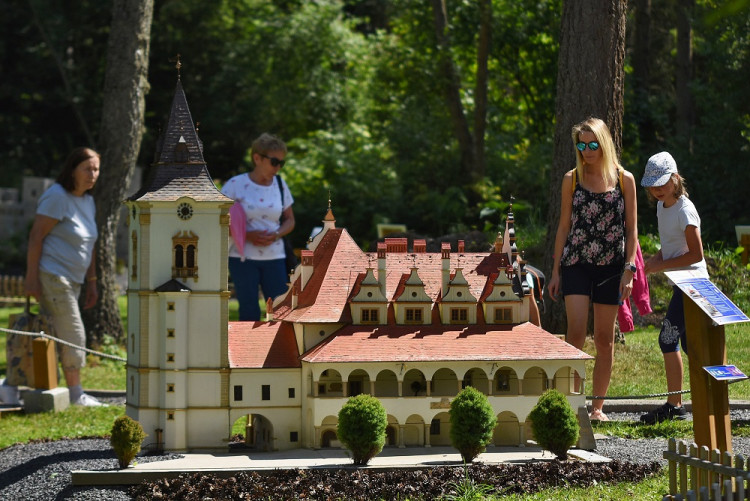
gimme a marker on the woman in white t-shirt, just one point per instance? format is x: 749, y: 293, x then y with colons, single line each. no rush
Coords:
x: 681, y: 248
x: 269, y: 216
x: 61, y: 260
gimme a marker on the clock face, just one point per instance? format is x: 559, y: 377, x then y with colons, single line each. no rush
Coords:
x: 185, y: 211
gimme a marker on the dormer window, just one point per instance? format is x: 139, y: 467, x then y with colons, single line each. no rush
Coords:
x: 413, y: 315
x: 185, y: 255
x: 459, y: 315
x: 181, y: 154
x: 503, y: 315
x: 369, y: 315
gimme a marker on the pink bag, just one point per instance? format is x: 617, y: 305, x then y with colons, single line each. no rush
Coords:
x: 237, y: 221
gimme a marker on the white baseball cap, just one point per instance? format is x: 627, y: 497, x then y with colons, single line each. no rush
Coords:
x: 659, y: 169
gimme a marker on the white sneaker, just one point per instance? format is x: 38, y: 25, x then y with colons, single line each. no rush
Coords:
x: 9, y: 395
x: 86, y: 400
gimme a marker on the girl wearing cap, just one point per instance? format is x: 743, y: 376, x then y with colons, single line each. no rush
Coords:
x: 681, y: 248
x: 595, y: 247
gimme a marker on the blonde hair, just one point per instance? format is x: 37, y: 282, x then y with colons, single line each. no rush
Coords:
x: 610, y: 162
x: 266, y: 143
x: 679, y: 187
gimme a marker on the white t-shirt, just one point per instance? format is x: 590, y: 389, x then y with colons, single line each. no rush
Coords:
x: 672, y: 223
x: 262, y: 205
x: 68, y: 247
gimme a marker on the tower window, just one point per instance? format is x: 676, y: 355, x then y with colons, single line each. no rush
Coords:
x: 265, y: 391
x: 185, y: 255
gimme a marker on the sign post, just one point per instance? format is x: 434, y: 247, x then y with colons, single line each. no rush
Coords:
x: 707, y: 310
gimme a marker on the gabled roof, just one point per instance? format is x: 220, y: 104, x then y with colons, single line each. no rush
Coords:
x: 179, y: 169
x: 436, y: 343
x: 337, y: 263
x: 173, y: 286
x: 262, y: 345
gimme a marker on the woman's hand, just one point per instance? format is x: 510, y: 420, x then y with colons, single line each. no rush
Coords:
x: 92, y: 294
x: 554, y: 286
x: 32, y: 287
x: 654, y: 263
x: 261, y: 238
x: 626, y: 285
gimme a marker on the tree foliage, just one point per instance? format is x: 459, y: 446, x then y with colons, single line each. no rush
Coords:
x: 361, y: 428
x: 472, y: 423
x: 554, y: 423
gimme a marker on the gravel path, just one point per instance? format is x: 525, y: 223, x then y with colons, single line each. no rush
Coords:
x: 42, y: 470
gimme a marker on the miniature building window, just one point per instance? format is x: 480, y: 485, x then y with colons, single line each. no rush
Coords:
x: 265, y: 391
x: 321, y: 389
x: 170, y: 306
x: 170, y: 357
x: 134, y: 271
x: 170, y: 416
x: 293, y: 436
x: 132, y: 385
x: 170, y: 388
x: 369, y: 316
x: 459, y: 315
x: 435, y: 427
x: 170, y: 332
x: 132, y: 343
x: 291, y: 392
x: 466, y: 382
x: 503, y: 315
x: 238, y: 392
x: 185, y: 255
x: 413, y: 315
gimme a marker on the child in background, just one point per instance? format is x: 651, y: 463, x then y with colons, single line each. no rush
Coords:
x: 681, y: 248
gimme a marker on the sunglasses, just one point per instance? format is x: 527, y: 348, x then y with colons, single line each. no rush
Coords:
x: 593, y: 146
x: 274, y: 161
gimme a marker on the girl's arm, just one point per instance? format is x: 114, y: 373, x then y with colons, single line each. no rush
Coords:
x: 692, y: 256
x: 563, y: 228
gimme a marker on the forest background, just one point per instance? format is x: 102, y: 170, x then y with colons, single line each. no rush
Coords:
x: 358, y: 88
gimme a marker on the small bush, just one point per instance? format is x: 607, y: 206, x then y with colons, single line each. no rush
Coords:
x: 361, y: 428
x: 127, y: 435
x: 472, y: 423
x: 554, y: 423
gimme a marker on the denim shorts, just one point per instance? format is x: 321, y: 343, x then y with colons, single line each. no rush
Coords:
x: 600, y: 283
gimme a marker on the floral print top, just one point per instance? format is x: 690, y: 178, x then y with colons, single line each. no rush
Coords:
x: 597, y: 228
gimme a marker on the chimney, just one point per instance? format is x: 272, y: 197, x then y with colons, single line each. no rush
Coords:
x: 420, y: 246
x: 445, y: 251
x: 397, y: 244
x: 295, y: 295
x: 499, y: 243
x: 382, y: 250
x: 306, y: 267
x: 269, y: 310
x: 461, y: 246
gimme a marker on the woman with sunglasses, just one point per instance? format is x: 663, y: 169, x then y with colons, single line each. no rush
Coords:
x: 595, y: 247
x: 268, y: 217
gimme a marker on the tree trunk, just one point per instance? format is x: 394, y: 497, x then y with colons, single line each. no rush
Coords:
x: 452, y: 89
x: 685, y: 112
x: 590, y: 82
x: 642, y: 72
x: 125, y: 87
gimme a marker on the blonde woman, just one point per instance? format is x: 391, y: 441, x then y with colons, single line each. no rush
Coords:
x: 595, y: 246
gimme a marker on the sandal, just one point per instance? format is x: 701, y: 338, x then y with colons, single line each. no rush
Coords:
x: 598, y: 415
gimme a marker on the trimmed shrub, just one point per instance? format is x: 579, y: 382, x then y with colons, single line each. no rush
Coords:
x: 472, y: 423
x: 361, y: 428
x: 554, y: 423
x: 127, y: 435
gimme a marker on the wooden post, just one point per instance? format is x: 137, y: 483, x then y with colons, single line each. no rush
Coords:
x: 710, y: 398
x: 45, y: 364
x: 745, y: 242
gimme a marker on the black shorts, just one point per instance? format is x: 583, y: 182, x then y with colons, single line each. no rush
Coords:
x: 600, y: 283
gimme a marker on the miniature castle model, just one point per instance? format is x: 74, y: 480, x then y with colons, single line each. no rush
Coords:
x: 411, y: 328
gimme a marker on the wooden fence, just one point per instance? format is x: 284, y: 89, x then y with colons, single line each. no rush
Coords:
x: 713, y: 476
x: 12, y: 290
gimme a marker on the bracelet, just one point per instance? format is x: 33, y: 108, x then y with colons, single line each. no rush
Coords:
x: 91, y: 279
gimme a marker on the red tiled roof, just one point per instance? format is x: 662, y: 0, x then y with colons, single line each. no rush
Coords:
x: 427, y: 343
x: 262, y: 345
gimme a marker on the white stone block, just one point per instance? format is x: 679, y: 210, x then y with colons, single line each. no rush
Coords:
x: 57, y: 399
